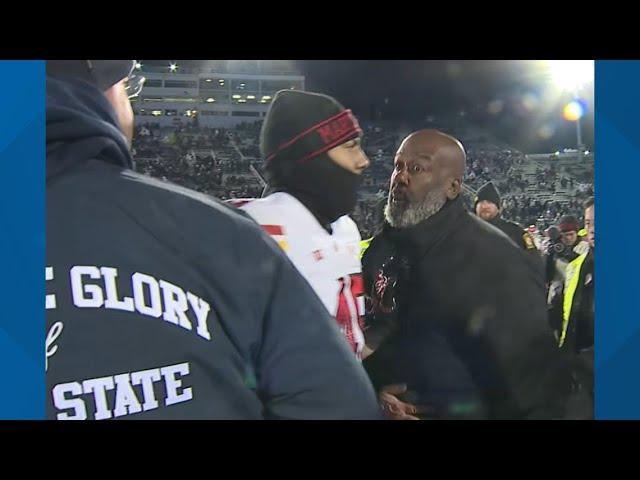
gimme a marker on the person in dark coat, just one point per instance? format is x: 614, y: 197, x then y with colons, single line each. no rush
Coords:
x: 163, y: 303
x: 458, y: 312
x: 488, y: 206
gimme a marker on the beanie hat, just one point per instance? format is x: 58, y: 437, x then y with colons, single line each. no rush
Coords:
x: 487, y: 192
x: 302, y: 125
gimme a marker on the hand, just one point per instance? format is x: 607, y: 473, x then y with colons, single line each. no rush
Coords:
x: 366, y: 351
x: 393, y: 408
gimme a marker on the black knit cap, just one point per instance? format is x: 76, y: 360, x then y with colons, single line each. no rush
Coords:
x: 488, y: 192
x: 302, y: 125
x: 101, y: 73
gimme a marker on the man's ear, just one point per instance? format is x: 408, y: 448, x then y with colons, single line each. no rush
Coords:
x: 453, y: 188
x: 117, y: 97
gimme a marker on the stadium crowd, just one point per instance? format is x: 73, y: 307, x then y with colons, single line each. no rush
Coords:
x: 226, y: 163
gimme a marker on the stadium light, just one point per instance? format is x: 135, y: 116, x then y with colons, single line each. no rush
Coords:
x: 173, y: 67
x: 251, y: 97
x: 571, y: 75
x: 573, y: 111
x: 211, y: 100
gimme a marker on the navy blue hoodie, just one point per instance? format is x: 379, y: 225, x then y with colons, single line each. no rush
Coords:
x: 164, y: 303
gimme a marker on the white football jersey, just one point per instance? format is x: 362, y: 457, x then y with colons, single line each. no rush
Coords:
x: 329, y: 262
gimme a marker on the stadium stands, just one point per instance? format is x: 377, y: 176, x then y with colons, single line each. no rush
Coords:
x: 226, y: 163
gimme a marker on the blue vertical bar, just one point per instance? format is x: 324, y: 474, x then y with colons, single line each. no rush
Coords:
x: 22, y: 239
x: 617, y: 257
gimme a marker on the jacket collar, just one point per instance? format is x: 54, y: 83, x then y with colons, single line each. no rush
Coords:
x: 421, y: 237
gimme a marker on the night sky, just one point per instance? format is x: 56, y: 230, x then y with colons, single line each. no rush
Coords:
x: 514, y: 100
x: 524, y: 101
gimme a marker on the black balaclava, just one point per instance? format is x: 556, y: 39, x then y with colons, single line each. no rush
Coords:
x: 297, y: 132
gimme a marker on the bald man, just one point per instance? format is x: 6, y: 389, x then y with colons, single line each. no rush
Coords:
x: 458, y: 311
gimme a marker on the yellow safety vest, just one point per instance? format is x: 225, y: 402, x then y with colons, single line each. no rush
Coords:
x: 364, y: 244
x: 570, y: 286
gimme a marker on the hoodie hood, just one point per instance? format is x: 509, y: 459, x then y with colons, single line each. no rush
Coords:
x: 81, y: 126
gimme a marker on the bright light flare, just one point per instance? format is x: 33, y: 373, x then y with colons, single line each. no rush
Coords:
x: 571, y: 75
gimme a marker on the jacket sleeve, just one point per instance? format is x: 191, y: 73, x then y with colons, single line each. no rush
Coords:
x: 305, y: 368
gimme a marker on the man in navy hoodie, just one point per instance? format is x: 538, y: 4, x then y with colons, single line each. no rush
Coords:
x: 162, y: 302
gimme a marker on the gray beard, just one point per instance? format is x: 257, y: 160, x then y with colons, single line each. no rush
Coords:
x: 403, y: 217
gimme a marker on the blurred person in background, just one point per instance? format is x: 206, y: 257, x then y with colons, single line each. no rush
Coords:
x: 487, y: 206
x: 572, y: 318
